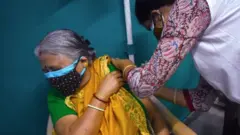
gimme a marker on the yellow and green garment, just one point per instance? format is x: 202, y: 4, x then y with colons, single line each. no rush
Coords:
x: 125, y: 114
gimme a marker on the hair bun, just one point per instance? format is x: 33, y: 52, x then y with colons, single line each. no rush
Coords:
x: 87, y: 42
x: 91, y: 53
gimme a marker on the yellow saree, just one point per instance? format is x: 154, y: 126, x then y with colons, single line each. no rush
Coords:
x: 124, y: 115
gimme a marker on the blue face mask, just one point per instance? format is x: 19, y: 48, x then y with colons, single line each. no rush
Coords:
x: 66, y: 80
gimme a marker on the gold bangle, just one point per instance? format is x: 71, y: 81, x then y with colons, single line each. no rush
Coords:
x: 175, y: 96
x: 124, y: 70
x: 96, y: 108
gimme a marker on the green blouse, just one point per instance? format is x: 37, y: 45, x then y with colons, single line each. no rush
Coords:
x: 57, y: 106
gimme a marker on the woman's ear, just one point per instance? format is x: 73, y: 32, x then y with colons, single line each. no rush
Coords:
x: 84, y: 61
x: 83, y: 58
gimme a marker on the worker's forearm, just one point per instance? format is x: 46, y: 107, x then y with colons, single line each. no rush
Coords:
x: 168, y: 94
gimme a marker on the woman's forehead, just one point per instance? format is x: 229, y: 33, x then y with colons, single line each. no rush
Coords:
x: 50, y: 60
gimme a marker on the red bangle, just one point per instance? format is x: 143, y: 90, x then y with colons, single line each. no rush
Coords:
x: 94, y: 95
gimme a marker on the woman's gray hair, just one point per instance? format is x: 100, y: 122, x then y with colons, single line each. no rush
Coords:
x: 65, y: 42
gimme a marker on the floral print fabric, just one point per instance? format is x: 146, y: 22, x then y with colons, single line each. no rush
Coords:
x: 186, y: 22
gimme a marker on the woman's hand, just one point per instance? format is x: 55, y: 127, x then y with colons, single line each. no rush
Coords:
x: 73, y: 125
x: 110, y: 85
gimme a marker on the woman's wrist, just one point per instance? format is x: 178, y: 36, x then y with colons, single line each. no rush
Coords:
x: 102, y: 97
x: 98, y: 103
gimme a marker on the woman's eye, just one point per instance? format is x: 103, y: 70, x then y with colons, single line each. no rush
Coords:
x: 53, y: 68
x: 45, y: 70
x: 49, y: 69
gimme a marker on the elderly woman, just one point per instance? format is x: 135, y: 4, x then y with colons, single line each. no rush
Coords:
x: 85, y: 97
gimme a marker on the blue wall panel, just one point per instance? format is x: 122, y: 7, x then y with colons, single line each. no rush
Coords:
x: 24, y: 24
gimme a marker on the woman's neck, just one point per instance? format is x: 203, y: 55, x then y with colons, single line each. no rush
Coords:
x: 86, y: 77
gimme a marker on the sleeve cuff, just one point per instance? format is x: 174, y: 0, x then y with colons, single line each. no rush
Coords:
x: 188, y: 100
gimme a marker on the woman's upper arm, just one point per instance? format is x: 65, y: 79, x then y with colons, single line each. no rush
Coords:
x: 186, y: 22
x: 158, y: 123
x: 61, y: 115
x: 63, y: 125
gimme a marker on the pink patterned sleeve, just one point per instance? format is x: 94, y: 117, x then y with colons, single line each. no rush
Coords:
x: 186, y: 22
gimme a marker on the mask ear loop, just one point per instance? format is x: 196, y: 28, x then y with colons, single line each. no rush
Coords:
x: 85, y: 67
